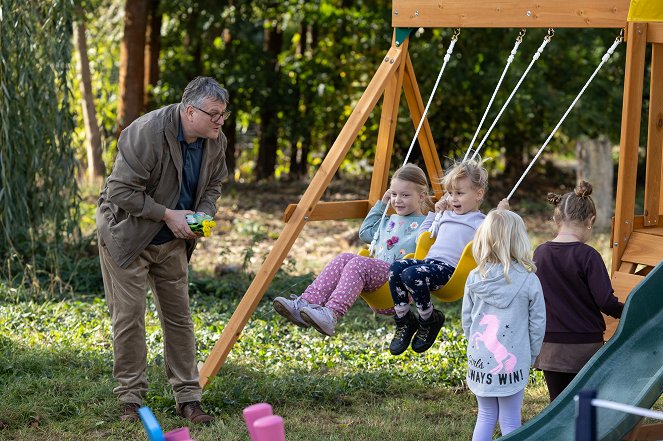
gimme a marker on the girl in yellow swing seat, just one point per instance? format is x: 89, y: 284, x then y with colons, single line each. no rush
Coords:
x: 337, y: 287
x: 466, y: 184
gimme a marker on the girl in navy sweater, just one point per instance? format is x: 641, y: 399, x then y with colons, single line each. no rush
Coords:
x: 576, y: 288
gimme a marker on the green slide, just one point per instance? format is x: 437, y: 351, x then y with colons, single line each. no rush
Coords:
x: 628, y: 369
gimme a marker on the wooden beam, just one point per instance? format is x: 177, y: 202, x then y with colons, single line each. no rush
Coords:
x: 644, y: 249
x: 388, y: 121
x: 629, y: 140
x: 333, y: 210
x: 647, y: 432
x: 639, y: 223
x: 653, y: 181
x: 510, y: 13
x: 623, y: 284
x: 655, y: 32
x: 309, y: 200
x: 426, y: 142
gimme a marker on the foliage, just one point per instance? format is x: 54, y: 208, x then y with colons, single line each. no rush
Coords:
x: 330, y: 51
x: 103, y: 21
x: 56, y: 372
x: 38, y: 193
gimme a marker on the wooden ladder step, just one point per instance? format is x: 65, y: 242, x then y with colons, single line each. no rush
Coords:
x: 643, y: 248
x: 623, y: 284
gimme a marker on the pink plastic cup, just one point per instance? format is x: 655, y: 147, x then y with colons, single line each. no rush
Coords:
x: 253, y: 413
x: 269, y: 428
x: 181, y: 434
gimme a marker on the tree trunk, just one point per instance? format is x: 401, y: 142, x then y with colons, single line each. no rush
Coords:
x: 95, y: 164
x: 193, y: 45
x: 230, y: 130
x: 152, y: 49
x: 595, y: 166
x: 267, y: 145
x: 132, y: 63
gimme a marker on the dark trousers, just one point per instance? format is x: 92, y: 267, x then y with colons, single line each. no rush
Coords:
x: 557, y: 382
x: 417, y: 278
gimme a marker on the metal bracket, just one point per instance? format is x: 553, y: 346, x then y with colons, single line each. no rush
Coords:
x: 402, y: 34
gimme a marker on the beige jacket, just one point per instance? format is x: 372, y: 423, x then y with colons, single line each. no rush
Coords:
x: 146, y: 179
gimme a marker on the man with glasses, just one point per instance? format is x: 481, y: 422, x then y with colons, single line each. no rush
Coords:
x: 170, y: 163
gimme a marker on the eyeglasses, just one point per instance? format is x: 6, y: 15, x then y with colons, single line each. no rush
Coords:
x: 215, y: 117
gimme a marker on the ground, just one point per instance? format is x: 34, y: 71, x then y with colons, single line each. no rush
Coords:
x: 56, y: 361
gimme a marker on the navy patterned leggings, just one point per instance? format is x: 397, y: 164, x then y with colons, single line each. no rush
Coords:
x: 417, y: 278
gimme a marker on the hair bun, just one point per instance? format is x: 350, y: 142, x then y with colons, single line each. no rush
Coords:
x: 554, y: 199
x: 583, y: 189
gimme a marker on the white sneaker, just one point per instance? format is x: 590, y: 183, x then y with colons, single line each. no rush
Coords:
x: 290, y: 309
x: 320, y: 317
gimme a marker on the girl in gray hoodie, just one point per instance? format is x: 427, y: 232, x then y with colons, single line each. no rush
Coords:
x: 504, y: 320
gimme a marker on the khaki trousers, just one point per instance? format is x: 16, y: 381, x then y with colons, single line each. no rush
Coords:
x: 164, y: 269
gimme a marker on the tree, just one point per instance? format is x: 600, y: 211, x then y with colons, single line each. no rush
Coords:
x: 38, y: 191
x: 152, y: 50
x: 268, y: 142
x: 132, y: 63
x: 95, y: 164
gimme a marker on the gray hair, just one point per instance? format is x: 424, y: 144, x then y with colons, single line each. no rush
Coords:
x: 204, y: 87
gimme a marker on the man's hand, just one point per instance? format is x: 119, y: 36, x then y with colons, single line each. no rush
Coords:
x: 442, y: 204
x: 176, y: 221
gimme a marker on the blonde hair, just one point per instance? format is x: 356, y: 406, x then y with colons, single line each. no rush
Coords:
x: 574, y: 206
x: 414, y: 174
x: 502, y: 238
x: 470, y: 169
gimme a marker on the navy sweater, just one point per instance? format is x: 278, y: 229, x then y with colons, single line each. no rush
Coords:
x: 576, y: 288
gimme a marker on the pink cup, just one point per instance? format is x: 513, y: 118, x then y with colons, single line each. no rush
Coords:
x: 181, y: 434
x: 253, y: 413
x: 269, y: 428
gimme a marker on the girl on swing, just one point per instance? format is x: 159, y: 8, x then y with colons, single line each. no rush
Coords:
x: 337, y: 287
x: 466, y: 184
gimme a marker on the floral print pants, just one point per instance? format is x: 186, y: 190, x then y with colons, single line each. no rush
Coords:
x: 344, y: 278
x: 417, y: 278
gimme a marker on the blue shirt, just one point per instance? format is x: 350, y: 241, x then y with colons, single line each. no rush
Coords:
x: 397, y: 234
x: 192, y: 158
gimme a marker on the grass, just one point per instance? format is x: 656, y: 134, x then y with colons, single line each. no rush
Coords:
x: 56, y: 357
x: 56, y: 374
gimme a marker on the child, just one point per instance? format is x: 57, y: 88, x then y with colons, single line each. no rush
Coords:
x: 504, y: 320
x: 466, y: 185
x: 576, y: 287
x: 337, y: 287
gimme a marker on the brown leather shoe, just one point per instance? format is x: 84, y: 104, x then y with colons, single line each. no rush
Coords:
x: 129, y: 412
x: 192, y: 411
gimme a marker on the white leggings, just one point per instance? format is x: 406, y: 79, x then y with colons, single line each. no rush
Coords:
x: 506, y: 409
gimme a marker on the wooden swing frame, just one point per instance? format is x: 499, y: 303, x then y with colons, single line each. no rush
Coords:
x: 636, y: 240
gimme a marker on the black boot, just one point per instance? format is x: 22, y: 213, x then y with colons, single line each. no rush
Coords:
x: 405, y: 329
x: 427, y: 332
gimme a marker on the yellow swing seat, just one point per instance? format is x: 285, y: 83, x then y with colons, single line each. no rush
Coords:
x: 452, y: 291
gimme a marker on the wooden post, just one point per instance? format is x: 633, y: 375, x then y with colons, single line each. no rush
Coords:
x: 306, y: 205
x: 426, y: 142
x: 388, y: 122
x: 630, y: 137
x: 653, y: 182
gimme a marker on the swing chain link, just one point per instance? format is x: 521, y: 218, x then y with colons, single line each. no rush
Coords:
x: 620, y: 37
x: 456, y: 34
x: 550, y: 35
x: 520, y: 36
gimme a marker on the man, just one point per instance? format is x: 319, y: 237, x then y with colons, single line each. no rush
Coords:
x: 170, y: 163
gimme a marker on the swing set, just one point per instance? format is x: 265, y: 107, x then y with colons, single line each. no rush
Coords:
x: 637, y: 241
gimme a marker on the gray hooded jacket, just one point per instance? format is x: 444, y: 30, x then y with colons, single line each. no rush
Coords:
x: 504, y: 324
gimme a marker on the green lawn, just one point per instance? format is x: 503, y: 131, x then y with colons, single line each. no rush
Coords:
x: 56, y: 370
x: 56, y: 381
